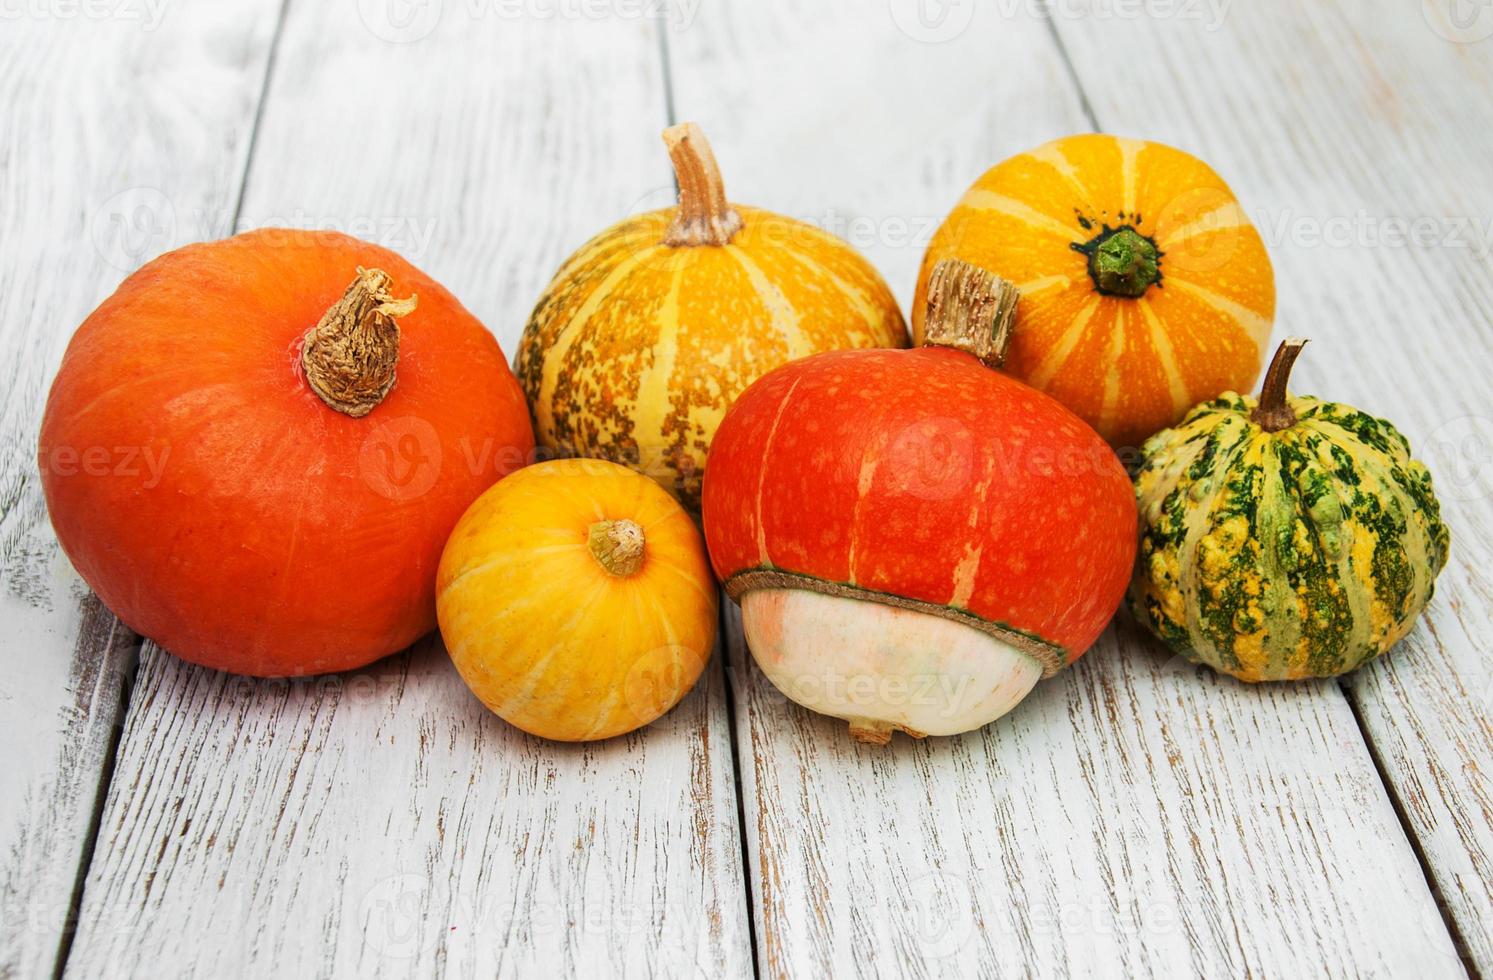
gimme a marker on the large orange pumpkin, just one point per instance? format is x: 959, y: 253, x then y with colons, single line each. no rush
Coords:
x: 1144, y: 287
x: 255, y: 449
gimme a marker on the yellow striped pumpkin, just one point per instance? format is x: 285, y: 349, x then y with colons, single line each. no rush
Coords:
x: 648, y: 333
x: 1144, y: 287
x: 1284, y: 538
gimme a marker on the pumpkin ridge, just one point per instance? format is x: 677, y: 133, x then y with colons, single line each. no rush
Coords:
x: 782, y: 314
x: 1161, y: 343
x: 1422, y: 540
x: 652, y: 407
x: 762, y: 473
x: 1052, y: 155
x: 860, y: 298
x: 865, y: 479
x: 1224, y: 538
x: 655, y: 561
x: 1059, y: 353
x: 1130, y: 151
x: 1050, y: 656
x: 1289, y: 613
x: 625, y: 237
x: 1020, y: 212
x: 1207, y: 223
x: 1251, y: 322
x: 1119, y: 330
x: 1188, y: 550
x: 569, y: 333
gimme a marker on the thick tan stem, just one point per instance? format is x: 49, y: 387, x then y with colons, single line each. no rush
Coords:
x: 617, y: 545
x: 350, y: 357
x: 704, y: 217
x: 1274, y: 413
x: 971, y: 309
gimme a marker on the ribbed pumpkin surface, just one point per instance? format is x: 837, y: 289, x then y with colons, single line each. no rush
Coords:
x: 1127, y: 365
x: 924, y: 476
x: 1277, y: 556
x: 544, y: 634
x: 637, y: 348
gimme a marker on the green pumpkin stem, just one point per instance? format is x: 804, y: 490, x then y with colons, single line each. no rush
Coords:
x: 971, y: 309
x: 1274, y: 413
x: 1122, y: 262
x: 704, y: 216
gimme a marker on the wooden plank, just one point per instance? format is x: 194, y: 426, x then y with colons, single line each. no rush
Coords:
x: 382, y: 822
x: 1135, y: 816
x: 125, y: 125
x: 1353, y: 135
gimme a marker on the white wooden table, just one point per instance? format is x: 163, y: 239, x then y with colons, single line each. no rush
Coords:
x: 1135, y: 816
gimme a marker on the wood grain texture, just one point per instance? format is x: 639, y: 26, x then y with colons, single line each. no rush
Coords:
x: 1358, y: 136
x: 105, y: 160
x: 1135, y: 816
x: 383, y: 822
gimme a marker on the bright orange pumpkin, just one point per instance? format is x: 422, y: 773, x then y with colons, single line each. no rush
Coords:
x: 255, y: 449
x: 1144, y: 287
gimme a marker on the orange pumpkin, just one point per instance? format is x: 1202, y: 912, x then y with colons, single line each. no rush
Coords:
x: 255, y: 449
x: 1144, y: 287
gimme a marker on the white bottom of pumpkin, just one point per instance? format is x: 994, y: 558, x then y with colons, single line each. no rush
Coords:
x: 881, y: 667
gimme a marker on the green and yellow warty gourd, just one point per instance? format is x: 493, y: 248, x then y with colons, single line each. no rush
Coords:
x: 1283, y: 538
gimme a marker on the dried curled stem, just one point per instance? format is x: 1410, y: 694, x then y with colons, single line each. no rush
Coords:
x: 351, y: 355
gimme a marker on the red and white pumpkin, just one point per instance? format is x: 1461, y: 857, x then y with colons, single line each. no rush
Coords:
x: 916, y: 539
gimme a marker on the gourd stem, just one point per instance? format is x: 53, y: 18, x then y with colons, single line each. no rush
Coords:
x: 704, y: 216
x: 971, y: 309
x: 350, y: 357
x: 1274, y: 413
x: 617, y: 545
x: 1122, y: 262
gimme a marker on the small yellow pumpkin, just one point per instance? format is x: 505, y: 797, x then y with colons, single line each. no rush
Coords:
x: 649, y: 332
x: 576, y: 600
x: 1144, y: 287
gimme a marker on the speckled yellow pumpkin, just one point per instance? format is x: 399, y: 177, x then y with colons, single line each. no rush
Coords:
x: 1144, y: 287
x: 649, y: 332
x: 1283, y: 538
x: 576, y: 601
